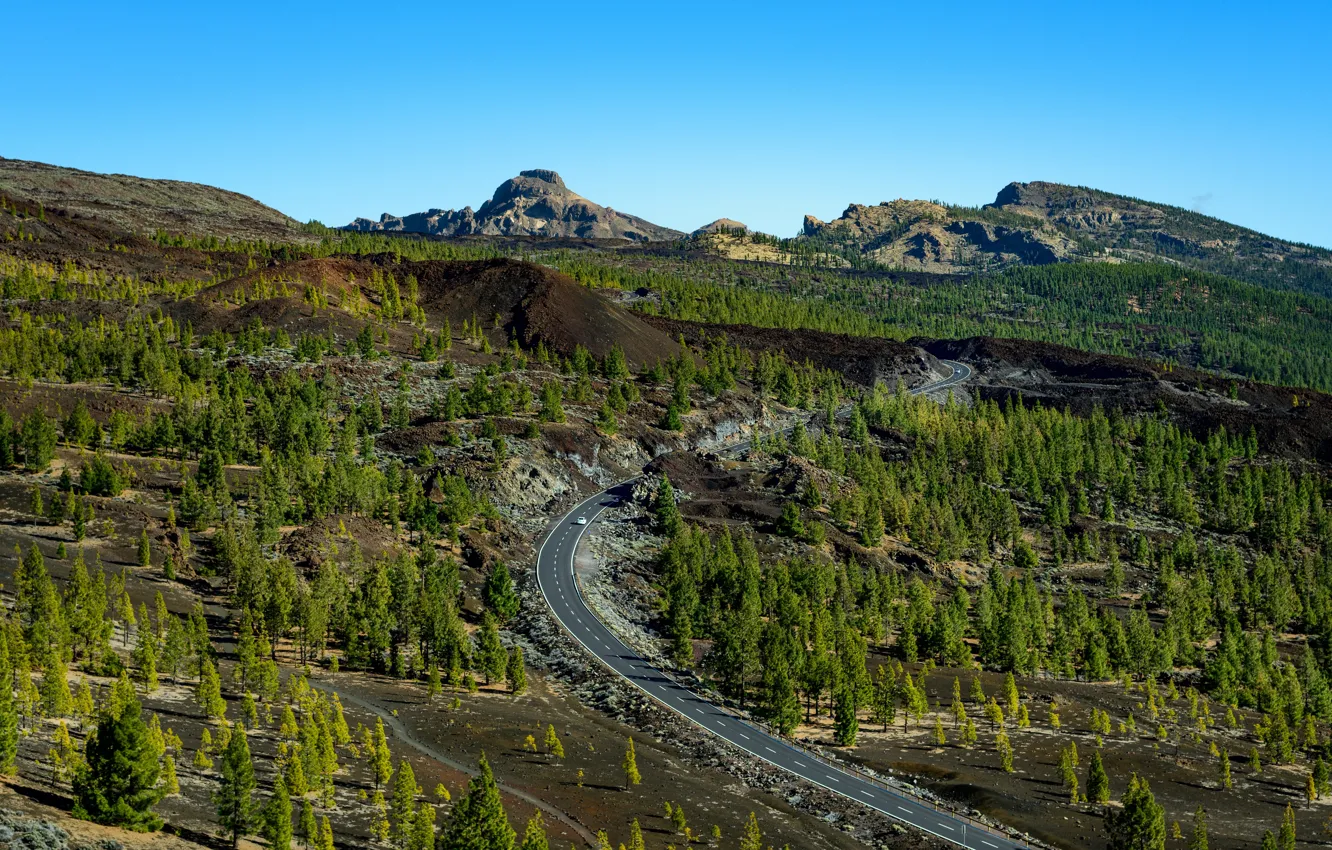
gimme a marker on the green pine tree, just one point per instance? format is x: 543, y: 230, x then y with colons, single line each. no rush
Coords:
x: 630, y: 766
x: 1098, y: 783
x: 117, y: 784
x: 1140, y: 823
x: 478, y: 820
x: 402, y: 809
x: 1199, y: 839
x: 309, y: 826
x: 277, y: 817
x: 846, y: 726
x: 515, y: 672
x: 534, y: 834
x: 235, y: 794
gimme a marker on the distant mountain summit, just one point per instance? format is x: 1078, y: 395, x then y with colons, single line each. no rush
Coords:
x: 535, y: 203
x: 1038, y: 223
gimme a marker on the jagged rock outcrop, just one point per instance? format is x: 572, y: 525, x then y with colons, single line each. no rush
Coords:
x: 535, y: 203
x: 930, y: 237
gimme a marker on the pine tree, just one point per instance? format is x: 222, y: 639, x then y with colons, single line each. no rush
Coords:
x: 145, y: 549
x: 515, y: 672
x: 1223, y: 762
x: 1140, y: 823
x: 382, y: 758
x: 968, y: 733
x: 534, y: 834
x: 664, y: 507
x: 209, y: 691
x: 753, y: 837
x: 309, y: 826
x: 235, y: 794
x: 294, y: 774
x: 553, y: 743
x: 478, y: 821
x: 403, y: 807
x: 1199, y: 839
x: 57, y: 701
x: 325, y: 834
x: 423, y: 828
x: 636, y: 841
x: 1005, y: 748
x: 1098, y: 783
x: 789, y: 523
x: 606, y: 421
x: 1286, y: 837
x: 170, y: 782
x: 117, y: 785
x: 287, y: 725
x: 277, y: 817
x: 630, y: 766
x: 499, y: 594
x: 144, y: 655
x: 846, y: 725
x: 490, y: 653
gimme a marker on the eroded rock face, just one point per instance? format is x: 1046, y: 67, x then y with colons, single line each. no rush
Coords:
x: 927, y: 236
x: 535, y: 203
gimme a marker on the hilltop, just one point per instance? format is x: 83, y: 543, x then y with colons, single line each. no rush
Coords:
x: 143, y: 206
x: 535, y: 203
x: 1041, y: 223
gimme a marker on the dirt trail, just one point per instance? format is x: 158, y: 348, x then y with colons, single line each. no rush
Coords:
x: 401, y: 732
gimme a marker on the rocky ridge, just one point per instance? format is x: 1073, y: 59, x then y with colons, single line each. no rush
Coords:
x: 930, y: 237
x: 535, y: 203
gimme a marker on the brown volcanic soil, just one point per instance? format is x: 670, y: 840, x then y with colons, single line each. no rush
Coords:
x: 94, y: 243
x: 1066, y: 377
x: 864, y: 360
x: 1182, y: 772
x: 532, y: 302
x: 536, y: 303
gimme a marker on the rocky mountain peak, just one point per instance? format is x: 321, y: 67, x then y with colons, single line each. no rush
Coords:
x: 544, y: 174
x: 535, y: 203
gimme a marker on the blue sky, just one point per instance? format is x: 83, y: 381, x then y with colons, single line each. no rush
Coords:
x: 683, y: 113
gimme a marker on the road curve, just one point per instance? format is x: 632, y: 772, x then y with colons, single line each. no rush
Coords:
x: 555, y: 577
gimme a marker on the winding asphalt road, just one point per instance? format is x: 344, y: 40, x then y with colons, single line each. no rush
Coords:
x: 555, y: 576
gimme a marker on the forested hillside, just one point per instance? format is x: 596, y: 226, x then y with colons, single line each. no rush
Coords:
x: 274, y: 507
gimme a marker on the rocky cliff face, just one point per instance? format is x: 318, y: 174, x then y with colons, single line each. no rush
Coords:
x: 930, y: 237
x: 535, y: 203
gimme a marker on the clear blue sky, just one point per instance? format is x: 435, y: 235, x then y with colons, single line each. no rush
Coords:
x: 685, y: 113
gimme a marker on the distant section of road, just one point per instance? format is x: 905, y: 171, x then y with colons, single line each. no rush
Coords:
x: 555, y: 576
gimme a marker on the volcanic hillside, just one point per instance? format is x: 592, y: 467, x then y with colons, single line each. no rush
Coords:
x: 1289, y: 421
x: 139, y: 205
x: 536, y: 303
x: 508, y: 298
x: 862, y: 360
